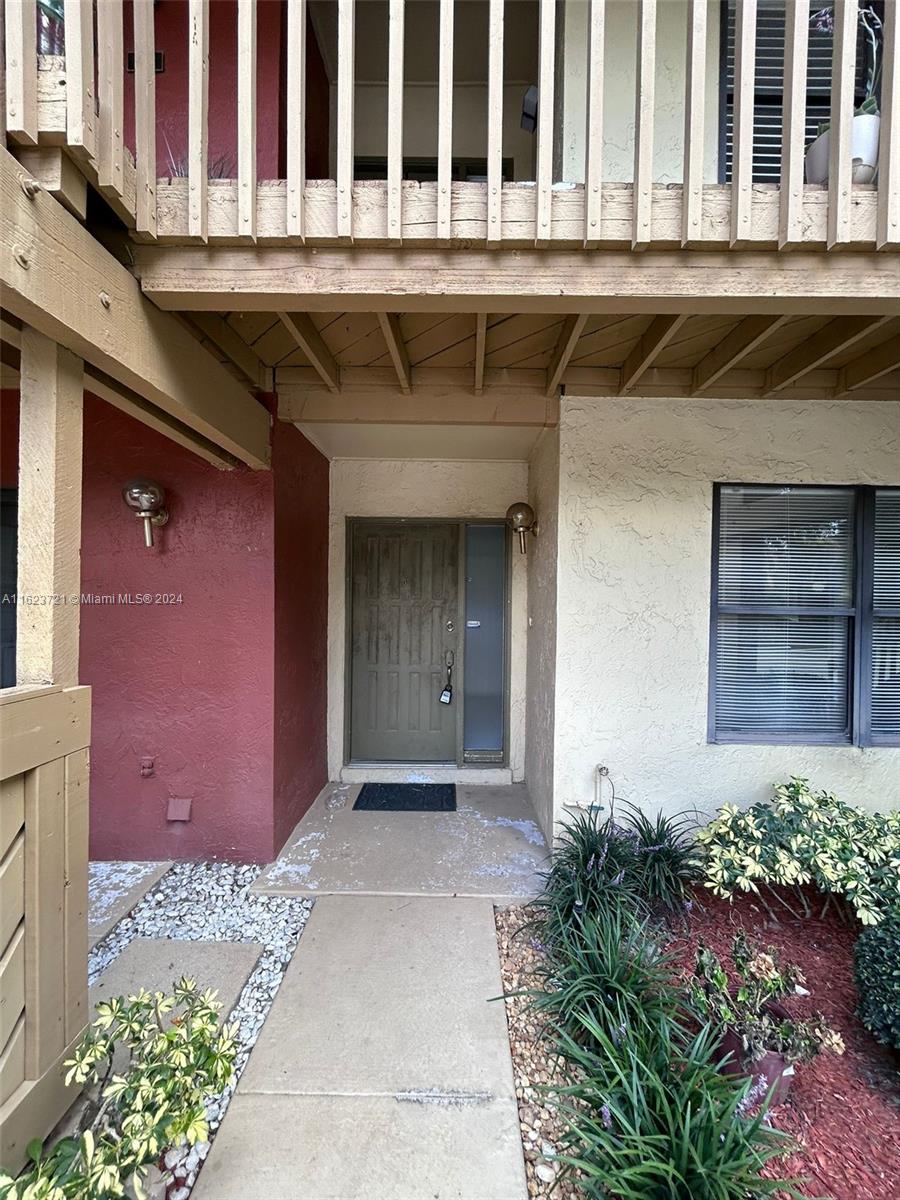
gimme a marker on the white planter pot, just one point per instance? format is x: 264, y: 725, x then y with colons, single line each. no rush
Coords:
x: 864, y: 151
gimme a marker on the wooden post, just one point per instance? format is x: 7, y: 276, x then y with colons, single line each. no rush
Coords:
x: 198, y: 119
x: 346, y: 85
x: 642, y: 231
x: 396, y: 27
x: 742, y: 125
x: 445, y: 119
x: 145, y: 116
x: 694, y: 124
x: 49, y: 537
x: 546, y: 70
x: 296, y: 117
x: 793, y: 134
x: 840, y: 137
x: 110, y: 81
x: 888, y: 235
x: 593, y: 166
x: 495, y: 122
x: 21, y: 71
x: 80, y: 131
x: 246, y: 131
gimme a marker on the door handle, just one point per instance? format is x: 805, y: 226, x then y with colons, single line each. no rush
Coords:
x: 450, y: 626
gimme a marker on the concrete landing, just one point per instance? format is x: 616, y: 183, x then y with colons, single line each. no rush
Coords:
x: 491, y: 846
x: 383, y: 1068
x: 113, y: 891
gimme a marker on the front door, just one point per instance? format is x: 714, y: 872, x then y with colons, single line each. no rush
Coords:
x: 404, y: 632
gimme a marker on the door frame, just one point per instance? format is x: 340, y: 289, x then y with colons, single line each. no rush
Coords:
x: 459, y: 668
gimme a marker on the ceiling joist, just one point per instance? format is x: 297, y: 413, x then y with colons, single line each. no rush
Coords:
x: 835, y: 337
x: 868, y: 368
x: 390, y: 327
x: 660, y: 332
x: 480, y: 350
x: 572, y: 329
x: 746, y: 337
x: 307, y: 337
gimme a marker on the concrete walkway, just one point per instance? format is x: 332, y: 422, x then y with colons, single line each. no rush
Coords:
x: 383, y: 1071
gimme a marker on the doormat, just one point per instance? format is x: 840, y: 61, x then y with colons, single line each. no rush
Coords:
x: 407, y: 797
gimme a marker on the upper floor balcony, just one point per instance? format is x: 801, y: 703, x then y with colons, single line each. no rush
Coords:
x: 625, y: 124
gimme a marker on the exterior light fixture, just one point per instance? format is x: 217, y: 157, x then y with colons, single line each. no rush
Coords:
x: 147, y: 499
x: 521, y: 520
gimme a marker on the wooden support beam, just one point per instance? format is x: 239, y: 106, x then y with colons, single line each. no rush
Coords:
x: 480, y: 350
x: 793, y: 132
x: 393, y: 337
x: 110, y: 88
x: 145, y: 116
x: 838, y: 335
x: 871, y: 366
x: 346, y: 91
x: 21, y: 72
x: 571, y: 331
x: 296, y: 118
x: 275, y: 278
x: 742, y: 125
x: 888, y: 235
x: 694, y: 122
x: 445, y: 118
x: 57, y: 175
x: 80, y: 109
x: 227, y: 339
x: 654, y: 341
x: 747, y: 336
x: 307, y: 337
x: 645, y: 102
x: 246, y: 119
x: 198, y: 116
x: 49, y: 537
x: 840, y: 135
x: 57, y: 278
x: 544, y: 151
x: 495, y: 122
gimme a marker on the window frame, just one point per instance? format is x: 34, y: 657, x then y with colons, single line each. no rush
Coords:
x: 861, y: 615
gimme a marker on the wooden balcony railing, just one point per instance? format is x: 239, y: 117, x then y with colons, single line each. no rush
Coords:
x: 85, y: 99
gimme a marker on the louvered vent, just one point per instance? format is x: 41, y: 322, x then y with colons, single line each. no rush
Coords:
x: 769, y: 86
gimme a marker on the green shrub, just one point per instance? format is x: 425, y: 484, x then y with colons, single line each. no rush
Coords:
x: 178, y: 1057
x: 664, y: 864
x: 803, y: 837
x: 877, y: 975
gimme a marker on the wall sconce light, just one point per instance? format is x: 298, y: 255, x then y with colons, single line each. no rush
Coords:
x: 147, y: 499
x: 521, y: 520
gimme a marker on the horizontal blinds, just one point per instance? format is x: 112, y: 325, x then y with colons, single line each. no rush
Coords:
x: 885, y: 628
x: 778, y: 675
x: 790, y: 547
x: 769, y: 86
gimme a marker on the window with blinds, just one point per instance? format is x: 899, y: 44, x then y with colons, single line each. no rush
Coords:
x: 768, y: 97
x: 806, y: 615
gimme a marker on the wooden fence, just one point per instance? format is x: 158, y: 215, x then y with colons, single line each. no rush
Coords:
x: 44, y: 736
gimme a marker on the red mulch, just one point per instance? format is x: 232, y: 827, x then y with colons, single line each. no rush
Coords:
x: 843, y: 1110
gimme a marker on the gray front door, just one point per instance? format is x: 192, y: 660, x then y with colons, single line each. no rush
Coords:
x: 404, y: 624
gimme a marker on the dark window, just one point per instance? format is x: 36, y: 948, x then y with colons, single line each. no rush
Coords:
x: 805, y: 642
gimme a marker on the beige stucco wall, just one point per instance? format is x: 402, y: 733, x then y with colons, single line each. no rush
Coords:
x: 540, y: 709
x: 634, y: 567
x: 619, y: 90
x: 415, y: 488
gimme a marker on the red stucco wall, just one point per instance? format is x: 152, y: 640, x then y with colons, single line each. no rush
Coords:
x: 224, y: 690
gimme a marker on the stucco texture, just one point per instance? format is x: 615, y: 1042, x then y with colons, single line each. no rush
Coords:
x: 418, y: 488
x: 635, y: 545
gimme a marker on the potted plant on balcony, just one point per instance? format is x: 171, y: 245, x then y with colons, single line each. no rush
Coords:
x: 866, y: 119
x: 760, y: 1037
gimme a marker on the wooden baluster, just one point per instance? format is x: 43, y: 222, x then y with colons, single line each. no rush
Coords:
x: 21, y: 71
x: 296, y: 117
x: 345, y: 103
x: 793, y: 131
x: 888, y: 232
x: 694, y: 124
x: 80, y: 131
x: 198, y: 117
x: 396, y: 34
x: 445, y: 119
x: 593, y: 166
x: 642, y: 224
x: 145, y: 117
x: 110, y: 88
x: 742, y: 124
x: 840, y: 140
x: 246, y: 133
x: 543, y: 229
x: 495, y: 123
